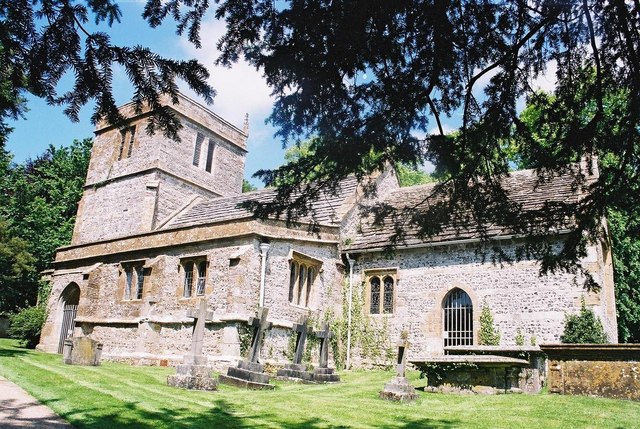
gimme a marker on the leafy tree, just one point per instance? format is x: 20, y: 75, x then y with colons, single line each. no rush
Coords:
x: 583, y: 328
x: 247, y: 186
x: 26, y: 325
x: 42, y: 41
x: 488, y: 335
x: 411, y: 176
x: 17, y: 271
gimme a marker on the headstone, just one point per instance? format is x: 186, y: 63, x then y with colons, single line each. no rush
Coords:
x: 250, y: 373
x: 194, y: 373
x: 81, y: 351
x: 399, y: 388
x: 296, y: 371
x: 324, y: 374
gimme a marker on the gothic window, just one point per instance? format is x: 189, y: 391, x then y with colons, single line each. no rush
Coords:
x: 381, y: 286
x: 133, y: 273
x: 209, y: 163
x: 198, y: 149
x: 302, y: 275
x: 457, y: 313
x: 195, y: 276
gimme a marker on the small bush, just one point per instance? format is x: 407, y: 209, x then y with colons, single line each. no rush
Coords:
x: 583, y: 328
x: 488, y: 336
x: 519, y: 337
x: 27, y: 324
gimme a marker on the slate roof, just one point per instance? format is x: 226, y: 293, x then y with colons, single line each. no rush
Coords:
x: 523, y: 186
x: 326, y: 209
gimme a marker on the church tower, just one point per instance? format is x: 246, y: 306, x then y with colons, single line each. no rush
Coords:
x: 136, y: 182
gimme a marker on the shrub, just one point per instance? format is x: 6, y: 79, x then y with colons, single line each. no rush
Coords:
x: 488, y: 336
x: 583, y: 328
x: 519, y: 337
x: 27, y: 324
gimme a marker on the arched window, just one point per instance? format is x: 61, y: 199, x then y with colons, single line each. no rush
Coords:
x: 374, y: 285
x: 457, y: 313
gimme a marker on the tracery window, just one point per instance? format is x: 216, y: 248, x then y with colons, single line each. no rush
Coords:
x: 381, y: 285
x: 302, y: 276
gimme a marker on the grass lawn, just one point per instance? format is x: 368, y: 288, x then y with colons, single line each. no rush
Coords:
x: 121, y: 396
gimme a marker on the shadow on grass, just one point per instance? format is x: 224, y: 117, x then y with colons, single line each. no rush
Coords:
x: 220, y: 415
x: 14, y: 351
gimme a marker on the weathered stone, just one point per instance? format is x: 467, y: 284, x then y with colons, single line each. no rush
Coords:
x: 82, y: 351
x: 399, y: 389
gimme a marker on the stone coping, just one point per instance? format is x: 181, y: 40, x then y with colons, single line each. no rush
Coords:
x: 178, y: 320
x: 485, y: 360
x: 493, y: 349
x: 593, y: 352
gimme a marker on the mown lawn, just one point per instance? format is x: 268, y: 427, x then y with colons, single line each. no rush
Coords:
x: 121, y: 396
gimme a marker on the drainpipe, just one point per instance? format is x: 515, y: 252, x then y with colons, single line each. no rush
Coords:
x: 264, y: 249
x: 350, y: 262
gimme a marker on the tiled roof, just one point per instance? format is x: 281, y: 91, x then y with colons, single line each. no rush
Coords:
x: 326, y: 209
x: 523, y: 187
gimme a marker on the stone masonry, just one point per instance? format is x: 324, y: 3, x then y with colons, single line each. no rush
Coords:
x: 153, y: 220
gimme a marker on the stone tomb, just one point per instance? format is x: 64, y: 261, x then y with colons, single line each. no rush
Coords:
x: 399, y: 388
x: 250, y: 373
x: 81, y: 351
x: 194, y: 373
x: 324, y: 374
x: 296, y: 370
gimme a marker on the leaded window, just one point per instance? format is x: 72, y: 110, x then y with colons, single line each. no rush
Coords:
x: 128, y: 282
x: 381, y: 285
x: 188, y: 279
x: 202, y: 276
x: 139, y: 282
x: 458, y: 319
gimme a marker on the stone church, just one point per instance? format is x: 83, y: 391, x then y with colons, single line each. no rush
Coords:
x: 159, y: 228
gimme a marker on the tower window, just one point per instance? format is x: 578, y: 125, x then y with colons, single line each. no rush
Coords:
x: 210, y: 149
x: 198, y: 149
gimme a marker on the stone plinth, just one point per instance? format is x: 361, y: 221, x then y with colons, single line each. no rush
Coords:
x: 295, y: 372
x: 195, y: 377
x: 249, y: 375
x: 398, y: 389
x: 81, y: 351
x: 325, y: 375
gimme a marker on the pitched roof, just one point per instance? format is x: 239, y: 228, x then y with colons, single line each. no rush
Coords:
x: 524, y: 187
x: 326, y: 210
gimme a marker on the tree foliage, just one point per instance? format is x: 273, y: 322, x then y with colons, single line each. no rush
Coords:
x: 583, y: 328
x: 26, y: 325
x: 42, y: 41
x: 488, y: 335
x: 40, y: 197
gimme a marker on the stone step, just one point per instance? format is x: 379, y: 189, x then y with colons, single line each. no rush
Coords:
x: 245, y: 374
x: 246, y: 384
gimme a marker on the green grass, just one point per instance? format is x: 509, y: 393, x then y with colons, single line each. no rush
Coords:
x: 121, y: 396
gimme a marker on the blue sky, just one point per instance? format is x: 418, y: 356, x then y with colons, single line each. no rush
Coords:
x: 241, y: 90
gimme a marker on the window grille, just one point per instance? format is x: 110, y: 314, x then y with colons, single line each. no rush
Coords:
x: 188, y: 279
x: 139, y: 282
x: 202, y: 275
x: 375, y: 295
x: 458, y: 319
x: 198, y: 148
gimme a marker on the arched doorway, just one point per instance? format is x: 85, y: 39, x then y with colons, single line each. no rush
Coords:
x: 457, y: 316
x: 68, y: 305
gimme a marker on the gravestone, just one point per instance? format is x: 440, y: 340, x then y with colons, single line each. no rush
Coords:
x: 297, y: 370
x: 194, y: 373
x: 81, y: 351
x: 399, y: 388
x: 250, y: 373
x: 324, y: 374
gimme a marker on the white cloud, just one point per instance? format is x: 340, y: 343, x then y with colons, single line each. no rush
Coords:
x: 240, y: 89
x: 547, y: 81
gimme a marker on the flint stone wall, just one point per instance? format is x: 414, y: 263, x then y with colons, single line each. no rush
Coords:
x: 517, y: 295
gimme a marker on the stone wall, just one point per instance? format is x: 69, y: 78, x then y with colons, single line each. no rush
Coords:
x: 517, y: 295
x: 610, y: 370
